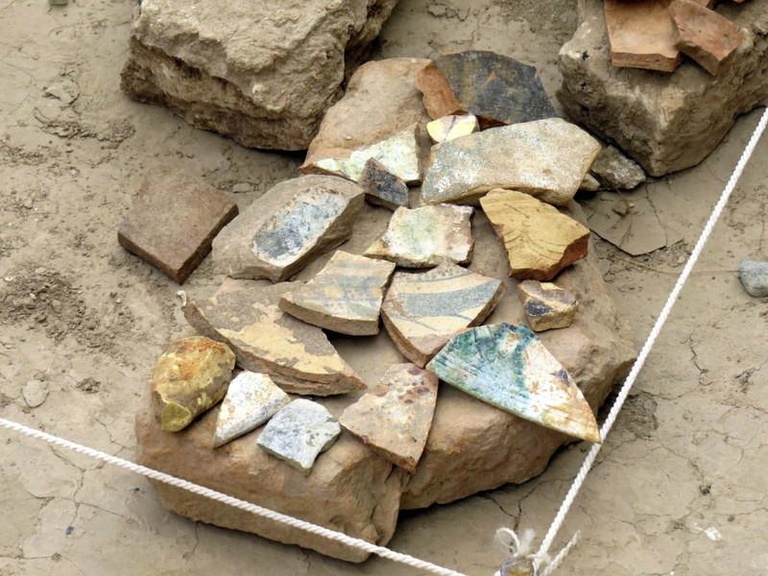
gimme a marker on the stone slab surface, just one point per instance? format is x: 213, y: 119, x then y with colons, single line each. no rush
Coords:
x: 173, y: 221
x: 704, y: 35
x: 546, y: 305
x: 546, y: 158
x: 423, y: 310
x: 297, y: 356
x: 261, y: 73
x: 345, y: 296
x: 395, y: 417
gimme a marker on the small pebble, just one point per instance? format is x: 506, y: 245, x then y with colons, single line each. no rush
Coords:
x: 754, y: 277
x: 34, y: 392
x: 242, y: 188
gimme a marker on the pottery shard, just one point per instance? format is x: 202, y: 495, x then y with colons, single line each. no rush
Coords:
x: 359, y: 490
x: 297, y: 356
x: 262, y: 74
x: 704, y: 35
x: 497, y: 89
x: 546, y: 305
x: 191, y: 376
x: 345, y: 296
x: 381, y: 187
x: 292, y: 223
x: 173, y: 221
x: 381, y: 102
x: 546, y: 158
x: 395, y: 417
x: 659, y: 120
x: 539, y: 239
x: 615, y: 171
x: 424, y: 237
x: 423, y: 310
x: 451, y: 127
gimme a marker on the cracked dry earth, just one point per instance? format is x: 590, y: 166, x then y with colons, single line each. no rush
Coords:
x: 680, y: 487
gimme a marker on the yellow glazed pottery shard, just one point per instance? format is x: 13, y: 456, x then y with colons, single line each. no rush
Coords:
x: 509, y: 367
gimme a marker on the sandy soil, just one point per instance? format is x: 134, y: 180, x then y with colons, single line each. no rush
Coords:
x: 680, y: 486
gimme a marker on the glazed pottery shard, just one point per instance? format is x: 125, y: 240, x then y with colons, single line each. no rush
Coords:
x: 190, y: 377
x: 546, y: 305
x: 508, y: 367
x: 395, y: 418
x: 299, y: 433
x: 251, y: 399
x: 423, y: 310
x: 451, y: 127
x: 381, y: 187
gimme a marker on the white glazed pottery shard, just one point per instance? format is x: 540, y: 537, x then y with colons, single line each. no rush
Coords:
x: 509, y: 367
x: 251, y: 400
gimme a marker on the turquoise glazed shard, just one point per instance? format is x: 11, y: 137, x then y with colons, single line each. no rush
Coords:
x: 509, y: 367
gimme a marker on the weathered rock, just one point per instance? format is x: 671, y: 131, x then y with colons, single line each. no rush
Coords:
x: 641, y: 35
x: 423, y: 310
x: 292, y: 223
x: 424, y: 237
x: 345, y: 296
x: 190, y: 377
x: 395, y: 417
x: 754, y: 277
x: 589, y: 184
x: 173, y: 221
x: 381, y: 187
x: 297, y: 356
x: 359, y: 490
x: 539, y: 239
x: 704, y: 35
x: 262, y: 74
x: 299, y: 433
x: 34, y: 392
x: 615, y: 171
x: 381, y: 101
x: 251, y: 400
x: 497, y: 89
x: 508, y: 367
x: 546, y: 305
x: 660, y: 121
x: 546, y: 158
x: 451, y: 127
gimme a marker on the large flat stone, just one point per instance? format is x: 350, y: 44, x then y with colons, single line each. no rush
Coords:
x: 546, y: 158
x: 297, y: 356
x: 261, y: 73
x: 664, y: 122
x: 173, y: 221
x: 291, y: 224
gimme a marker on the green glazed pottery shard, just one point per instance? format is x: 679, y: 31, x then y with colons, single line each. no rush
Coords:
x: 509, y: 367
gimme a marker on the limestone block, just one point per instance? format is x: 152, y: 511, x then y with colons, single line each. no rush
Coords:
x: 261, y: 73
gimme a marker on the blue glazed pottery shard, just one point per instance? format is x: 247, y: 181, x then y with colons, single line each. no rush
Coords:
x: 509, y: 367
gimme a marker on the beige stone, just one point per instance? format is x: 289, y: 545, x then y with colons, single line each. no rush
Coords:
x: 540, y: 240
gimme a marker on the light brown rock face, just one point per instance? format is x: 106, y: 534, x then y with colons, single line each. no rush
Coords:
x: 665, y: 123
x: 297, y: 356
x: 261, y: 73
x: 381, y: 101
x: 546, y: 158
x: 539, y: 239
x: 292, y: 223
x: 190, y: 377
x: 359, y: 490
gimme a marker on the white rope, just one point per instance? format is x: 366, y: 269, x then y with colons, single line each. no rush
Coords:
x: 652, y: 337
x: 232, y: 501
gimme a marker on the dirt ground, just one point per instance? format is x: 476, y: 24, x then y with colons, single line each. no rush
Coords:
x: 680, y: 487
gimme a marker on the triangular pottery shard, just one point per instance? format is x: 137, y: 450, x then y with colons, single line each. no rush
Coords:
x: 297, y: 356
x: 509, y: 367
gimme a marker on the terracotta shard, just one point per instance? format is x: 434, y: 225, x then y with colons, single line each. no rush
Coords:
x: 381, y: 187
x: 424, y: 237
x: 546, y: 305
x: 546, y: 158
x: 345, y: 296
x: 299, y: 433
x: 451, y: 127
x: 641, y: 34
x: 539, y: 239
x: 497, y: 89
x: 704, y: 35
x: 190, y: 377
x: 508, y: 367
x: 394, y: 419
x: 423, y: 310
x: 297, y: 356
x: 251, y: 400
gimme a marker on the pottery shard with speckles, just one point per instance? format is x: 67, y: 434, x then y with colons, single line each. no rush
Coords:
x: 382, y: 188
x: 546, y: 305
